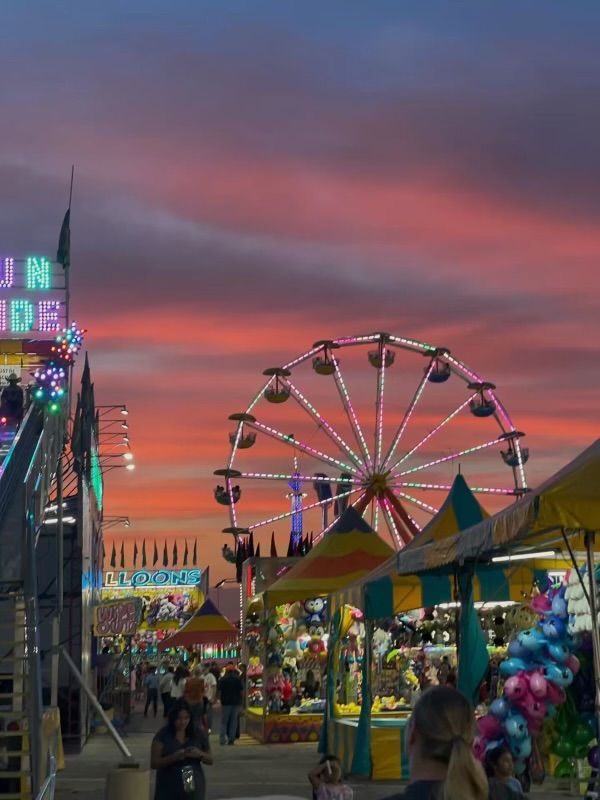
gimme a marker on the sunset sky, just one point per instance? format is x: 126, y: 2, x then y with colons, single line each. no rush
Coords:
x: 253, y: 176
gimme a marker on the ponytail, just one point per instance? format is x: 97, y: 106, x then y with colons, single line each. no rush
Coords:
x: 465, y: 779
x: 445, y: 725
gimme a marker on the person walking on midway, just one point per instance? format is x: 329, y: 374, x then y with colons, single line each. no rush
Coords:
x: 210, y: 693
x: 440, y: 735
x: 179, y: 679
x: 178, y: 752
x: 230, y: 690
x: 194, y: 695
x: 151, y: 687
x: 165, y: 686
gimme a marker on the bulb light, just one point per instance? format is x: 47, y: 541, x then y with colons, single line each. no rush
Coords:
x: 8, y: 273
x: 38, y: 273
x: 21, y: 316
x: 48, y: 315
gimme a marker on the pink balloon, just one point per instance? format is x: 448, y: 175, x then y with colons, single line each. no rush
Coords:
x: 555, y: 694
x: 533, y: 709
x: 538, y: 685
x: 541, y: 604
x: 479, y: 745
x: 489, y: 727
x: 573, y: 663
x: 516, y: 688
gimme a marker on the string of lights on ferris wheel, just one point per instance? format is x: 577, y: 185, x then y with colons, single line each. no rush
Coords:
x: 372, y: 474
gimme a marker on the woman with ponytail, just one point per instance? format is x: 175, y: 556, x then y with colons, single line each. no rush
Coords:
x: 439, y: 737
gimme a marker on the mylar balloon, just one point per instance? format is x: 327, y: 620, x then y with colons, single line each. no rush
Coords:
x: 532, y: 639
x: 499, y: 708
x: 515, y: 726
x: 559, y: 607
x: 512, y: 666
x: 538, y: 686
x: 559, y: 652
x: 520, y: 748
x: 564, y: 748
x: 489, y: 727
x: 564, y: 769
x: 573, y: 663
x: 516, y: 688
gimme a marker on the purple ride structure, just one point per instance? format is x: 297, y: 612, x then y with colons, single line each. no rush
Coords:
x: 382, y: 423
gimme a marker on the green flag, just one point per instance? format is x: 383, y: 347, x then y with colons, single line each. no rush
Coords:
x: 472, y: 650
x: 63, y: 254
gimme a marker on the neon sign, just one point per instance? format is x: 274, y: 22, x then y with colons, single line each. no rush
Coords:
x: 162, y: 577
x: 32, y: 295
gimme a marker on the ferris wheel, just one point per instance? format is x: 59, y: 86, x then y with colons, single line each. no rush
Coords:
x: 379, y: 422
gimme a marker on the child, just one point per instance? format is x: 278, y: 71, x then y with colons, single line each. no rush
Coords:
x: 499, y: 767
x: 326, y: 780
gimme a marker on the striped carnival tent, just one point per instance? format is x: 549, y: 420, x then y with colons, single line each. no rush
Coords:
x: 347, y: 553
x: 207, y: 626
x: 459, y: 510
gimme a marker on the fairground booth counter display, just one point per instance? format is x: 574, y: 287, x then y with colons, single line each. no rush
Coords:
x: 285, y: 631
x: 539, y: 698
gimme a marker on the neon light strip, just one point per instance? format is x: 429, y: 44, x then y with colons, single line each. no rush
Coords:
x: 391, y: 523
x: 413, y: 344
x: 280, y: 476
x: 327, y: 428
x: 445, y: 487
x: 331, y: 524
x: 376, y: 516
x: 232, y: 511
x: 348, y: 408
x: 433, y: 431
x: 466, y: 452
x: 521, y: 469
x: 346, y: 341
x: 420, y: 503
x: 414, y: 522
x: 313, y: 351
x: 379, y: 409
x: 408, y: 414
x: 291, y: 513
x: 305, y: 448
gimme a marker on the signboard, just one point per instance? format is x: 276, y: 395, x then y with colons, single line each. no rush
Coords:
x: 162, y: 577
x: 33, y: 296
x: 118, y: 617
x: 9, y: 369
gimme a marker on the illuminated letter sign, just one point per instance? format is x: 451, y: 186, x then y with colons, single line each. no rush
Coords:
x: 163, y: 577
x: 33, y: 296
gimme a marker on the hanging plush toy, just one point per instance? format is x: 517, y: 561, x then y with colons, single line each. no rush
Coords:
x: 315, y: 611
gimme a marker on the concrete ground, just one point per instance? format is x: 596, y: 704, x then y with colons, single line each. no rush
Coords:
x: 245, y: 770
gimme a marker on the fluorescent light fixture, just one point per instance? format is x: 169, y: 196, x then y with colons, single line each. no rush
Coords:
x: 482, y: 604
x: 125, y: 426
x: 524, y: 556
x: 128, y: 456
x: 124, y: 411
x: 54, y: 521
x: 130, y: 466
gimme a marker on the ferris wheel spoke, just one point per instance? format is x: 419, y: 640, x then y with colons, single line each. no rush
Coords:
x: 288, y: 514
x: 406, y: 524
x: 350, y: 413
x: 240, y: 426
x: 420, y: 503
x: 232, y: 511
x: 409, y: 411
x: 304, y: 357
x: 359, y: 504
x: 391, y: 524
x: 322, y: 423
x: 379, y: 405
x: 445, y: 487
x: 304, y: 448
x: 432, y: 432
x: 451, y: 457
x: 280, y: 476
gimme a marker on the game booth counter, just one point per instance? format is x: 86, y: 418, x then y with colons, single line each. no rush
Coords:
x: 542, y: 704
x: 285, y: 639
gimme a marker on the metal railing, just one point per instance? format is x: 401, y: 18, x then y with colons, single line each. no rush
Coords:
x: 46, y: 791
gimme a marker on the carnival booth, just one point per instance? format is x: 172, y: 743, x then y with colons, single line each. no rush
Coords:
x: 285, y: 632
x: 543, y: 705
x: 395, y: 666
x: 207, y: 627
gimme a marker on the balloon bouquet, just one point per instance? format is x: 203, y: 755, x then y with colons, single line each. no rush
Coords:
x: 539, y: 667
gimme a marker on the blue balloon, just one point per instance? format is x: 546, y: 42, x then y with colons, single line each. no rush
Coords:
x: 520, y: 748
x: 516, y: 650
x: 532, y: 639
x: 559, y: 607
x: 550, y: 710
x: 559, y: 652
x: 561, y: 676
x: 554, y: 628
x: 512, y: 666
x: 500, y: 708
x: 515, y: 726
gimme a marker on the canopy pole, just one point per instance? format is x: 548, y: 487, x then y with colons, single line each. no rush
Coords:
x: 590, y: 537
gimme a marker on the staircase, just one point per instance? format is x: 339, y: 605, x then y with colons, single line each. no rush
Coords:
x: 27, y: 469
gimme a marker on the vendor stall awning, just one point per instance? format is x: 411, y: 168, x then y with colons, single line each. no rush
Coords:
x: 350, y: 550
x: 569, y: 500
x: 207, y: 626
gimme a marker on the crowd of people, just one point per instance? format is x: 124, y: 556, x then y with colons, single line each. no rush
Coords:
x: 439, y: 740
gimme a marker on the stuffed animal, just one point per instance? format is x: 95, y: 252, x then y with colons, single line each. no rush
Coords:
x: 315, y: 611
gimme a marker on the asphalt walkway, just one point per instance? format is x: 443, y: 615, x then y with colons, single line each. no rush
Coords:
x: 245, y: 770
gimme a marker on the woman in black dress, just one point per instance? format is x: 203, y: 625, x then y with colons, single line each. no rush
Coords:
x: 178, y: 752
